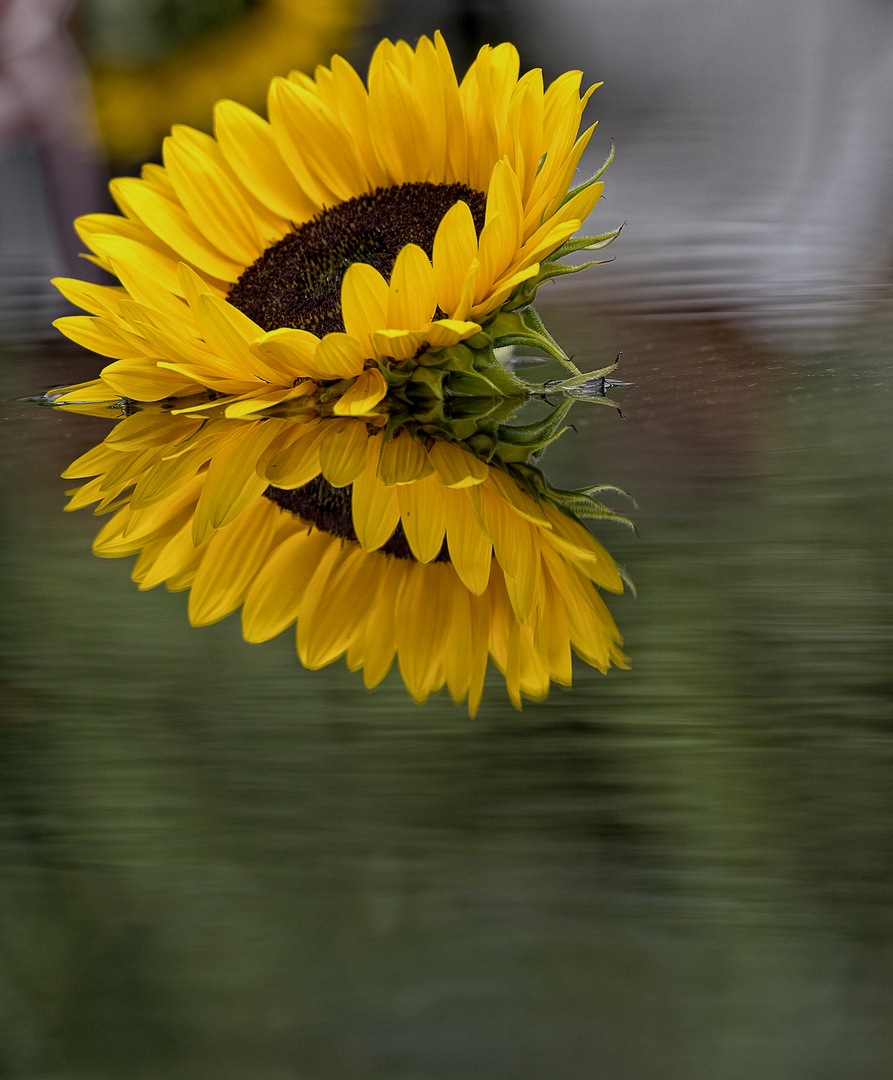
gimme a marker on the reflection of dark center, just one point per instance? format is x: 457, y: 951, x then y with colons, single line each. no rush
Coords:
x: 297, y: 281
x: 328, y: 508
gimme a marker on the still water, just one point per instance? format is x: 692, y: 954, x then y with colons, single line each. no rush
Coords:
x: 215, y: 863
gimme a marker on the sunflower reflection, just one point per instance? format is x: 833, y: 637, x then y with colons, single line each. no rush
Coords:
x: 375, y: 547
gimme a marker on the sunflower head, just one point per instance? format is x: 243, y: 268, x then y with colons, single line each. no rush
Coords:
x: 366, y: 242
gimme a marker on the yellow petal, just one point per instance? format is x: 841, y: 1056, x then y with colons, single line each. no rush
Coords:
x: 211, y: 198
x: 399, y: 345
x: 364, y: 304
x: 143, y: 380
x: 339, y: 356
x: 231, y: 334
x: 455, y: 249
x: 411, y: 297
x: 169, y: 221
x: 248, y: 143
x: 400, y: 132
x: 324, y: 149
x: 284, y: 114
x: 103, y: 336
x: 289, y: 350
x: 501, y: 237
x: 97, y: 299
x: 446, y: 332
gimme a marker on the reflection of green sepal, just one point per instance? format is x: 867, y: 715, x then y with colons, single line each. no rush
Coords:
x: 430, y: 380
x: 537, y: 436
x: 582, y: 503
x: 511, y: 454
x: 482, y: 445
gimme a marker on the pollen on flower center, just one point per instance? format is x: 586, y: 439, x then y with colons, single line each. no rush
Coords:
x: 297, y: 281
x: 329, y: 509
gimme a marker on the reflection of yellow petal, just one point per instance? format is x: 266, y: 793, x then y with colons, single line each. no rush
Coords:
x: 274, y: 596
x: 232, y: 482
x: 363, y: 396
x: 342, y: 455
x: 200, y: 517
x: 374, y: 507
x: 403, y: 460
x: 230, y: 563
x: 293, y: 460
x: 374, y: 650
x: 422, y: 515
x: 470, y: 548
x: 515, y: 550
x: 455, y: 467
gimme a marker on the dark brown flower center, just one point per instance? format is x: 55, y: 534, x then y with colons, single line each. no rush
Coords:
x: 297, y: 281
x: 328, y: 508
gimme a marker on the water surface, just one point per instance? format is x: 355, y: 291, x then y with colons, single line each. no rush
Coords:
x: 217, y: 863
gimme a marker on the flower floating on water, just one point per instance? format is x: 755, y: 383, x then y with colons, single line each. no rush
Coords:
x: 306, y: 344
x: 375, y: 547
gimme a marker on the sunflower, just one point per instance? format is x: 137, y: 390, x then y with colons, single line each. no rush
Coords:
x: 375, y: 546
x: 364, y: 238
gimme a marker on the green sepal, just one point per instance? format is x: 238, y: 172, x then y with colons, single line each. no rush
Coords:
x: 592, y: 179
x: 526, y: 329
x: 584, y: 243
